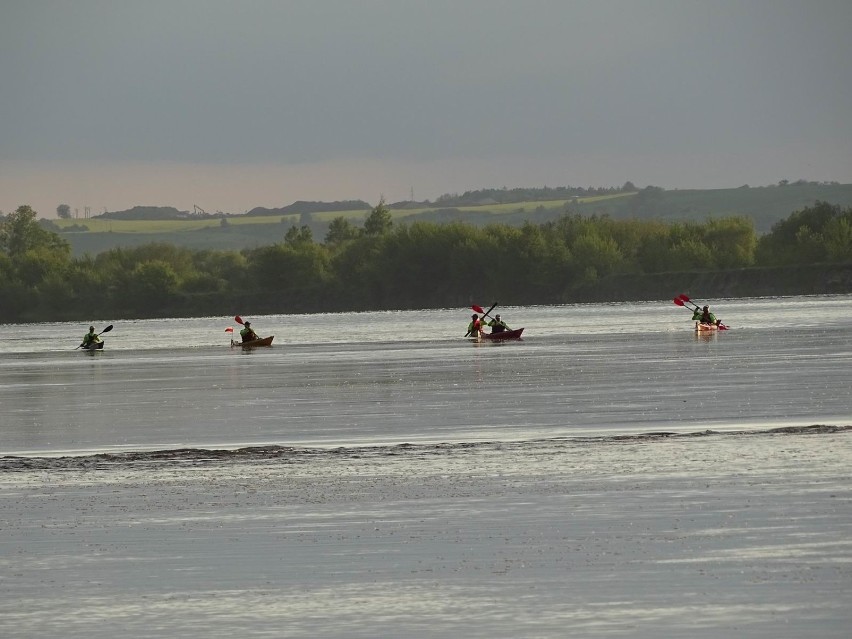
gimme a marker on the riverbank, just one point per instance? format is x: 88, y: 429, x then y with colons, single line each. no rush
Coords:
x: 815, y: 279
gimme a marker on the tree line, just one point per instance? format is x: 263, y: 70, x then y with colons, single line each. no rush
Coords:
x: 382, y: 265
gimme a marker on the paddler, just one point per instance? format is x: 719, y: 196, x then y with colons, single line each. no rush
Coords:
x: 497, y: 325
x: 475, y: 326
x: 90, y: 338
x: 248, y: 333
x: 707, y: 317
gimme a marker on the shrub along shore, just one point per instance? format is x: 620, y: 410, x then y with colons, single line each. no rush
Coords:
x: 382, y: 265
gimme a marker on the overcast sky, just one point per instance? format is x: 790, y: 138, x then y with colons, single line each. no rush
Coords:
x: 229, y: 105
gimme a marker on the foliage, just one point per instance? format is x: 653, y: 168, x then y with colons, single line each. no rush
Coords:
x: 819, y: 233
x: 764, y: 205
x: 298, y: 235
x: 379, y: 221
x: 385, y: 265
x: 340, y: 230
x: 20, y: 232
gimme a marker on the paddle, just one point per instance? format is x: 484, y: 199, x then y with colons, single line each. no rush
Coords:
x: 680, y: 303
x: 479, y: 310
x: 682, y: 299
x: 106, y: 330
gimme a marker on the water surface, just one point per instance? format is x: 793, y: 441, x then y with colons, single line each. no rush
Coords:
x: 395, y: 377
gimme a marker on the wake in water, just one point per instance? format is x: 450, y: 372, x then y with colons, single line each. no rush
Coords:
x: 295, y: 454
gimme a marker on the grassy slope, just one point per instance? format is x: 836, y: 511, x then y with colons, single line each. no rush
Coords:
x: 766, y: 205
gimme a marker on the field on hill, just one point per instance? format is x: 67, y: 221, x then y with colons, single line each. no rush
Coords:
x: 764, y: 205
x: 101, y: 225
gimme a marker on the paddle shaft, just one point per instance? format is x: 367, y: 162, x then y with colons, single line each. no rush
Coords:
x: 485, y: 314
x: 479, y: 310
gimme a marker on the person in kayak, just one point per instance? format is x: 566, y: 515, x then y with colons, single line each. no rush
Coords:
x: 475, y: 327
x: 248, y: 333
x: 707, y: 317
x: 90, y: 338
x: 497, y: 325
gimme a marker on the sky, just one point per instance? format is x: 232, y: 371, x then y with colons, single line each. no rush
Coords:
x: 230, y: 105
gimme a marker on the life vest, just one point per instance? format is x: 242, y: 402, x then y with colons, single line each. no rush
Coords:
x: 498, y: 326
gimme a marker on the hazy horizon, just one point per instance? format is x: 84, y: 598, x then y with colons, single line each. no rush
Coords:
x: 230, y: 106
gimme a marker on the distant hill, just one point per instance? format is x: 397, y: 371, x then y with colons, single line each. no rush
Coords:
x: 484, y: 197
x: 145, y: 213
x: 765, y: 205
x: 302, y: 207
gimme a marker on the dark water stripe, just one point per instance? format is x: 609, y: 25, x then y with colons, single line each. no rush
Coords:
x: 292, y: 454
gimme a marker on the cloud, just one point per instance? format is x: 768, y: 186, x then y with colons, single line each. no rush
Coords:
x: 416, y: 87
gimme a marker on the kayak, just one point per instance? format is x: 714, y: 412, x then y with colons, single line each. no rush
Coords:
x: 709, y: 328
x: 263, y: 341
x: 513, y: 334
x: 94, y: 346
x: 705, y: 328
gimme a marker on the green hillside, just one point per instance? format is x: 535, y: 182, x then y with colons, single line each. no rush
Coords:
x: 765, y: 205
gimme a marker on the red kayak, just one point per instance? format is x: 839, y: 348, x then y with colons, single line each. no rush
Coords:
x: 513, y: 334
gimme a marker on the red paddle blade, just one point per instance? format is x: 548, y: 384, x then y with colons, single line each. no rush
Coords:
x: 238, y: 319
x: 678, y: 301
x: 476, y: 308
x: 684, y: 298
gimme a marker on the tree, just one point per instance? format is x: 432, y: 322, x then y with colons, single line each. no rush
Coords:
x: 596, y: 255
x: 340, y: 230
x: 379, y: 221
x: 298, y: 235
x: 151, y: 286
x: 20, y: 232
x: 732, y: 241
x: 63, y: 212
x: 292, y: 272
x: 838, y: 238
x: 803, y: 237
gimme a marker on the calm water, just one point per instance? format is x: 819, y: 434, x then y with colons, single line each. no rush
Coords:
x: 393, y: 377
x: 378, y: 475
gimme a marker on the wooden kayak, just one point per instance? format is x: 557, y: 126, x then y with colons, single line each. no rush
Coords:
x: 503, y: 335
x: 263, y: 341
